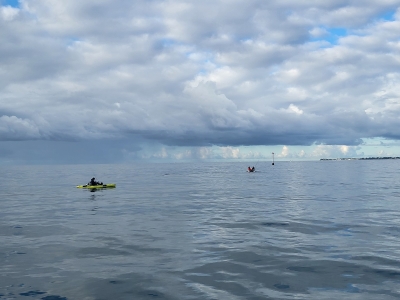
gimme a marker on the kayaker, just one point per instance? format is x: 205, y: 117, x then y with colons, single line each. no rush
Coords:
x: 94, y: 182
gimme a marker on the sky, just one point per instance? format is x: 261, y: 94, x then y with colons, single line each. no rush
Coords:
x: 117, y: 81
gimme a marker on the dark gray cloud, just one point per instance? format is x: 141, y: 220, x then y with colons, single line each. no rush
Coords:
x: 67, y: 152
x: 202, y: 73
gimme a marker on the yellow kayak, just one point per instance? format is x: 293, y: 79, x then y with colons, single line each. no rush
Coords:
x: 100, y: 186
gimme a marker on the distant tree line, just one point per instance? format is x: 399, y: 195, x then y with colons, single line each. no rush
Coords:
x: 362, y: 158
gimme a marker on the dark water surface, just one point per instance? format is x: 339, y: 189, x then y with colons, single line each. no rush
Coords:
x: 296, y: 230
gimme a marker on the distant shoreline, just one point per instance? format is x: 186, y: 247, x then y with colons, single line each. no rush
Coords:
x: 362, y: 158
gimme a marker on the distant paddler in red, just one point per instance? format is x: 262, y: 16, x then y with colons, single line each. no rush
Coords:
x: 251, y: 169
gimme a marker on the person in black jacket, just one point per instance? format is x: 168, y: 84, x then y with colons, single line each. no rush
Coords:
x: 94, y: 182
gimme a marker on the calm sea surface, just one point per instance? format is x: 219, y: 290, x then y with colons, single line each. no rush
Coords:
x: 296, y: 230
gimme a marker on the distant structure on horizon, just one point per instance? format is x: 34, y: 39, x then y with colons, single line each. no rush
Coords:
x: 362, y: 158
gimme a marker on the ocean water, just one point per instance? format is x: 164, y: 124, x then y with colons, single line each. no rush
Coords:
x: 295, y: 230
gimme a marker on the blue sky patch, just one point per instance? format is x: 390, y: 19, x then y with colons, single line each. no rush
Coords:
x: 388, y: 16
x: 335, y: 34
x: 13, y: 3
x: 166, y: 42
x: 332, y: 35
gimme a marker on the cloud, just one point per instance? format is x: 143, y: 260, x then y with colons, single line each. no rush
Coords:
x: 8, y: 13
x: 336, y: 151
x: 285, y: 152
x: 198, y: 74
x: 13, y: 128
